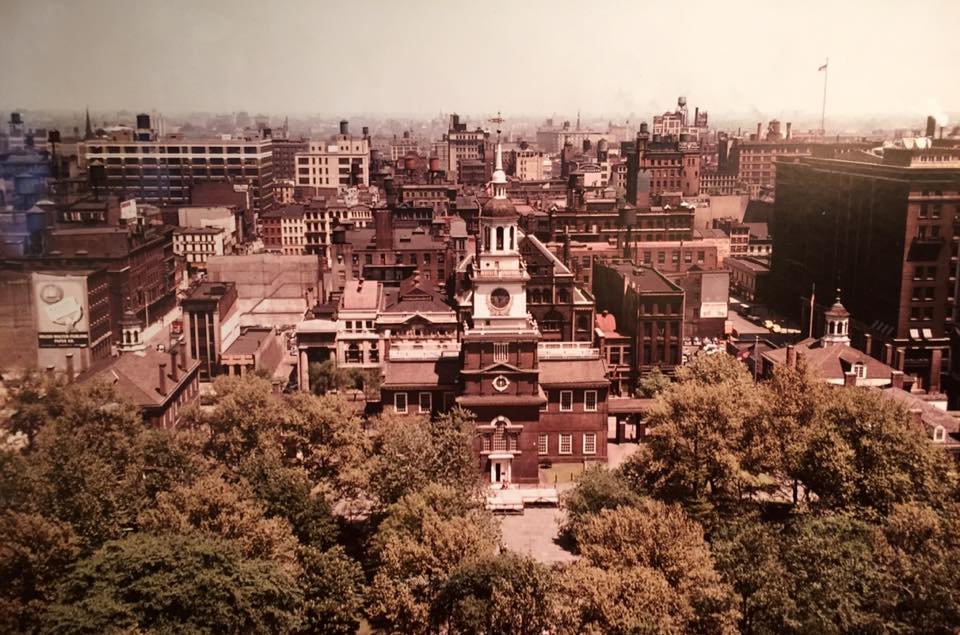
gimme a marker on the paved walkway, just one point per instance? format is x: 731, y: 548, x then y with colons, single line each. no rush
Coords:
x: 534, y: 533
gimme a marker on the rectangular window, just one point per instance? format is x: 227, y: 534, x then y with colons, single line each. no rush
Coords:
x: 426, y: 402
x: 543, y: 444
x: 566, y: 400
x: 501, y: 352
x: 590, y: 400
x: 400, y: 403
x: 590, y: 443
x: 566, y: 444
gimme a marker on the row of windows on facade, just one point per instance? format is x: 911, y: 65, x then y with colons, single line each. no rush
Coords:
x: 674, y: 257
x: 326, y: 161
x: 178, y: 161
x: 566, y: 402
x: 164, y: 149
x: 325, y: 181
x: 506, y: 442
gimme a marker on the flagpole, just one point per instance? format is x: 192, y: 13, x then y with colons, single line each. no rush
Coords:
x: 813, y: 293
x: 823, y: 112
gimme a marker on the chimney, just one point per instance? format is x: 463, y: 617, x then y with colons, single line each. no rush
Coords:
x: 931, y: 126
x: 901, y: 357
x: 850, y: 379
x: 162, y: 387
x: 791, y: 356
x: 183, y: 354
x: 344, y: 127
x: 896, y: 379
x: 888, y: 354
x: 789, y: 125
x: 868, y: 344
x: 70, y: 367
x: 51, y: 369
x: 916, y: 416
x: 383, y: 228
x: 759, y: 127
x: 174, y: 375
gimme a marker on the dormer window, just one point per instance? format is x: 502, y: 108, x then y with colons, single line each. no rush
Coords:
x: 860, y: 370
x: 939, y: 434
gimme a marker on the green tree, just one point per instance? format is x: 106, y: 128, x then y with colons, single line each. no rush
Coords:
x: 920, y: 548
x: 175, y: 583
x: 332, y: 585
x: 227, y: 510
x: 504, y: 594
x: 411, y: 452
x: 601, y: 601
x: 286, y: 492
x: 702, y: 430
x: 836, y: 582
x: 660, y: 537
x: 652, y: 384
x: 326, y: 437
x: 424, y: 538
x: 89, y: 464
x: 862, y: 451
x: 34, y: 554
x: 247, y: 415
x: 597, y: 488
x: 325, y: 376
x: 748, y: 556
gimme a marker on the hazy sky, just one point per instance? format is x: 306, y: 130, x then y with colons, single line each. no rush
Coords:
x: 421, y: 57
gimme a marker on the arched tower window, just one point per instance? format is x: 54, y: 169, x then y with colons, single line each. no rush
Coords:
x: 499, y: 238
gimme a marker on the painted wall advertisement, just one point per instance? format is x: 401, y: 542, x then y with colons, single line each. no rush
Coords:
x: 63, y: 319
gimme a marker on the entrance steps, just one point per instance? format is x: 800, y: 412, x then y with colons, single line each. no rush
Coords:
x: 515, y: 498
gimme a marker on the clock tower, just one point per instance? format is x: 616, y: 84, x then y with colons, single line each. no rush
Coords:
x: 500, y: 369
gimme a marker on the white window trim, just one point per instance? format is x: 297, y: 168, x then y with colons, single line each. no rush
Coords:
x: 429, y: 408
x: 396, y: 405
x: 860, y: 370
x: 570, y: 407
x: 586, y: 407
x: 939, y: 434
x: 543, y: 444
x: 569, y: 442
x: 593, y: 436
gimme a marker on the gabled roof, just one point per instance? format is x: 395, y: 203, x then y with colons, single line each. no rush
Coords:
x: 562, y: 372
x: 832, y: 362
x: 136, y: 375
x: 414, y: 296
x: 429, y: 374
x: 362, y: 295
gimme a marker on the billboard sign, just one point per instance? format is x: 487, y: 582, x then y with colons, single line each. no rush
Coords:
x: 63, y: 319
x: 128, y: 209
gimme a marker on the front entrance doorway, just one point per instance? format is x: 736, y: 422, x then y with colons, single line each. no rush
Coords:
x: 500, y: 471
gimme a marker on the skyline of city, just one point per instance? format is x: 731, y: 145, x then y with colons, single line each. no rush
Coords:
x: 522, y: 59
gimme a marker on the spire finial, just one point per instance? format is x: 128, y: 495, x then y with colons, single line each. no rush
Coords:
x: 88, y: 132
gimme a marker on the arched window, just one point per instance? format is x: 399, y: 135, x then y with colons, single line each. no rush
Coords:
x: 552, y: 321
x: 513, y: 238
x: 499, y: 238
x: 353, y: 354
x: 939, y: 434
x: 487, y: 240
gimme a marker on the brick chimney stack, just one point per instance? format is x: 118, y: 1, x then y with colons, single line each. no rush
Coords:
x: 162, y: 385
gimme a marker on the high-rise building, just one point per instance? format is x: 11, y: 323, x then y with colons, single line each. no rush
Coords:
x: 341, y: 163
x: 161, y: 171
x: 884, y: 229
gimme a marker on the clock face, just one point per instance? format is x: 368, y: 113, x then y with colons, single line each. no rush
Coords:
x: 500, y: 298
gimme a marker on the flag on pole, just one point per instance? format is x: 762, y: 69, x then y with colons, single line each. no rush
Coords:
x: 823, y: 68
